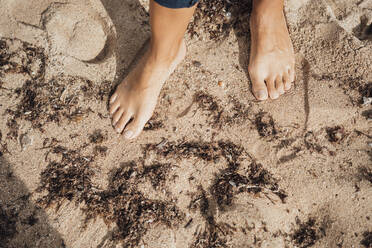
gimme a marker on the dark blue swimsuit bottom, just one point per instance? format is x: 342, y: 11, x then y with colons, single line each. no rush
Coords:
x: 176, y: 4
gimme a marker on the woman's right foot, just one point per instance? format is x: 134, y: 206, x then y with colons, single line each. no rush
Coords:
x: 134, y: 100
x: 272, y: 61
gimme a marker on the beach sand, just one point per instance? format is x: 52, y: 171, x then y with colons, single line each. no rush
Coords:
x: 214, y: 167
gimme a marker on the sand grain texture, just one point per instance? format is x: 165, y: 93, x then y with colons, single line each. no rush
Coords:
x: 214, y: 167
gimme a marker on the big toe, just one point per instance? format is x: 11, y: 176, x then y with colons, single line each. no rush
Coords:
x: 133, y: 129
x: 259, y: 89
x: 113, y: 98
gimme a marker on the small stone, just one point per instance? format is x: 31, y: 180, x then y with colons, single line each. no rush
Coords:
x: 370, y: 144
x: 232, y: 183
x: 196, y: 63
x: 228, y: 15
x: 367, y: 100
x: 221, y: 84
x: 25, y: 141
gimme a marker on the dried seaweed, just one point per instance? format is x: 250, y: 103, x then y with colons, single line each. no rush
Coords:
x: 97, y: 137
x: 121, y: 203
x: 335, y: 134
x: 218, y: 17
x: 41, y: 101
x: 256, y: 179
x: 308, y: 233
x: 22, y: 58
x: 367, y: 239
x: 265, y: 125
x: 365, y: 174
x: 218, y: 116
x: 212, y: 235
x: 7, y: 225
x: 153, y: 124
x: 157, y: 173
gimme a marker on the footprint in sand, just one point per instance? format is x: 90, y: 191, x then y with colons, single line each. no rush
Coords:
x: 73, y: 28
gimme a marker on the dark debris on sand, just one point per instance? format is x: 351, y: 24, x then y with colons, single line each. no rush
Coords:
x: 335, y: 134
x: 22, y: 58
x: 218, y: 116
x: 219, y: 17
x: 7, y: 226
x: 97, y: 137
x: 207, y: 151
x: 265, y: 125
x: 154, y: 123
x: 52, y: 101
x: 308, y: 232
x: 365, y: 91
x: 39, y: 100
x: 255, y: 180
x: 212, y: 235
x: 367, y: 239
x: 365, y: 174
x: 122, y: 203
x: 157, y: 173
x: 226, y: 185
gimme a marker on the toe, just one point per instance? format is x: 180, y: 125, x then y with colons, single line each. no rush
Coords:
x: 279, y: 85
x: 117, y: 116
x: 273, y: 93
x: 292, y: 75
x: 113, y: 98
x: 134, y: 128
x: 113, y: 107
x: 286, y: 81
x: 125, y: 118
x: 259, y: 88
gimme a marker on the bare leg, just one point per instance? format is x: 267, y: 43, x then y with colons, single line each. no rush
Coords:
x: 136, y: 97
x: 271, y: 63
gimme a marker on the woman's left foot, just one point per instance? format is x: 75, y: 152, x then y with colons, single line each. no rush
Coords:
x: 271, y: 64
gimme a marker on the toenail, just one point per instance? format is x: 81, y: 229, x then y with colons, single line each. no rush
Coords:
x: 113, y: 98
x: 128, y: 134
x: 261, y: 94
x: 274, y: 95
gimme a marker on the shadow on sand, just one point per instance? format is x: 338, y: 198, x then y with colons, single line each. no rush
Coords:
x: 22, y: 223
x: 130, y: 34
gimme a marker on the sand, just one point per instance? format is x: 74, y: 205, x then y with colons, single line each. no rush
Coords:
x: 214, y: 167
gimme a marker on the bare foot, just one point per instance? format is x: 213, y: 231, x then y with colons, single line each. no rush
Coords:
x: 134, y: 100
x: 271, y: 63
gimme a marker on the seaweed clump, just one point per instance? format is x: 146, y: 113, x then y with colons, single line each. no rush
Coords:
x: 335, y: 134
x: 39, y: 100
x: 365, y: 174
x: 52, y: 101
x: 367, y: 239
x: 210, y: 236
x: 265, y: 125
x: 121, y: 203
x: 7, y: 226
x: 218, y: 17
x: 256, y: 179
x: 17, y: 56
x: 307, y: 233
x: 218, y: 116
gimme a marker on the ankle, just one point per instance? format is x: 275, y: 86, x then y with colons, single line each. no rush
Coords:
x: 266, y: 8
x: 164, y: 54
